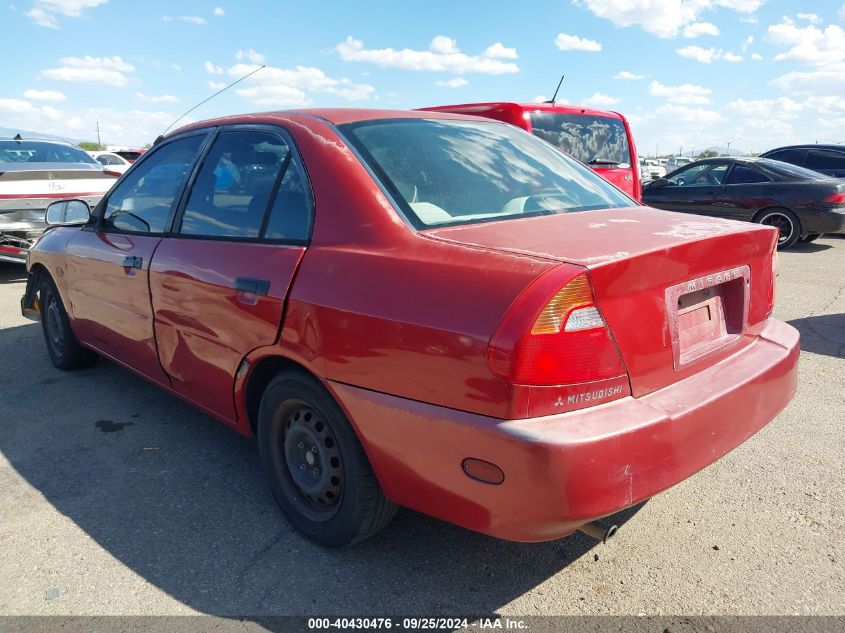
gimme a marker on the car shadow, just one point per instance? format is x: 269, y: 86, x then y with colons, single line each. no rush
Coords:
x: 11, y: 273
x: 823, y: 334
x: 809, y: 247
x: 180, y: 500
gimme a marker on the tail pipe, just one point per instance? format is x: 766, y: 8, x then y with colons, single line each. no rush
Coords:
x: 599, y: 530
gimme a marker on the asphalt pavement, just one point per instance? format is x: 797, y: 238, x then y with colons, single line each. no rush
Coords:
x: 120, y: 499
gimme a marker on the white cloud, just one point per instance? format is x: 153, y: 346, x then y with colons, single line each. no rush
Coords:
x: 216, y: 85
x: 109, y: 71
x: 188, y: 19
x: 699, y: 54
x: 218, y: 11
x: 157, y: 99
x: 756, y: 56
x: 251, y: 56
x: 808, y: 44
x: 500, y: 51
x: 697, y: 29
x: 455, y: 82
x: 663, y: 18
x: 600, y: 100
x: 684, y: 94
x: 291, y: 86
x: 443, y: 56
x: 44, y: 95
x: 574, y: 43
x: 540, y: 99
x: 46, y: 13
x: 732, y: 57
x: 624, y: 74
x: 213, y: 69
x: 812, y: 18
x: 823, y: 79
x: 748, y: 42
x: 763, y: 108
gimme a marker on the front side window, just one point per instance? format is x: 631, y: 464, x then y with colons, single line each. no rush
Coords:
x: 144, y: 200
x: 446, y: 172
x: 742, y: 175
x: 594, y: 140
x: 236, y: 185
x: 698, y: 175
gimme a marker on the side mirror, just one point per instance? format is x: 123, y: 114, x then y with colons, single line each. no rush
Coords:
x: 67, y: 213
x: 660, y: 183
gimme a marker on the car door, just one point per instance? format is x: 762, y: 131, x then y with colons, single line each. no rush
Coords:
x: 694, y: 189
x: 745, y: 191
x: 107, y: 263
x: 219, y: 281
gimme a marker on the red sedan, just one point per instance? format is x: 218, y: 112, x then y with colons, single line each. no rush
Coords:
x: 422, y: 309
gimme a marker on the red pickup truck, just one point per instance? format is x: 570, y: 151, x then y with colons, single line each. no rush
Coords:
x: 597, y: 138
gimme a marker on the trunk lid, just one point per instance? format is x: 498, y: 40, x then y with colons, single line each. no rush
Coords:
x: 678, y: 291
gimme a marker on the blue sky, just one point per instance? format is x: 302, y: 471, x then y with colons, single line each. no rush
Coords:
x: 691, y: 73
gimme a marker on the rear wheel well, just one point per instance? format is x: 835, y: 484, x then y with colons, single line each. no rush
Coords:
x: 265, y: 370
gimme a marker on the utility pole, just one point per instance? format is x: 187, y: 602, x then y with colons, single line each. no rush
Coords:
x: 656, y: 149
x: 99, y: 146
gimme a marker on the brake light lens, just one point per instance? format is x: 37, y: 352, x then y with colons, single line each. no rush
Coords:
x: 555, y: 335
x: 109, y: 172
x: 836, y: 198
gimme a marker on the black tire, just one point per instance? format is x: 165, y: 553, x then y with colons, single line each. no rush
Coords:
x: 331, y: 496
x: 64, y: 349
x: 785, y: 221
x: 812, y: 237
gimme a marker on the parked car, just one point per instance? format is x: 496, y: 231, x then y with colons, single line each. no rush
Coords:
x: 602, y: 140
x: 131, y: 155
x: 33, y: 173
x: 800, y: 203
x: 676, y: 162
x: 111, y: 161
x: 426, y: 310
x: 651, y: 169
x: 825, y: 159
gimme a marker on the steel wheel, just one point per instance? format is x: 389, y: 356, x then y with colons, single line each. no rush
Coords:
x: 312, y: 460
x: 53, y: 327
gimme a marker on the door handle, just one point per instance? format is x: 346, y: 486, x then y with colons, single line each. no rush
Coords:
x: 131, y: 261
x: 252, y: 286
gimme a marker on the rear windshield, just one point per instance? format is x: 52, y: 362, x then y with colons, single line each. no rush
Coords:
x: 594, y: 140
x: 444, y: 173
x: 41, y: 152
x: 791, y: 171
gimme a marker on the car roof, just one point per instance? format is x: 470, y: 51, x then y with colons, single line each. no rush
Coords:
x: 838, y: 148
x: 562, y: 108
x: 334, y: 116
x: 38, y: 140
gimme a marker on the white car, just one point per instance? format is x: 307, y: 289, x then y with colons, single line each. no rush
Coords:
x: 675, y: 162
x: 651, y: 169
x: 111, y: 161
x: 34, y: 173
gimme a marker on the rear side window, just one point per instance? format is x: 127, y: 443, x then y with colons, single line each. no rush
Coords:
x: 594, y: 140
x: 108, y: 159
x: 793, y: 156
x: 825, y: 159
x: 742, y: 175
x: 236, y: 185
x: 143, y: 201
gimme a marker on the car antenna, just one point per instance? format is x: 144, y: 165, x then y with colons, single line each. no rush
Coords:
x: 552, y: 100
x: 204, y: 101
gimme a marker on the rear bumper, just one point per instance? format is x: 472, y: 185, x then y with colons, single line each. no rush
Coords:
x: 564, y: 470
x: 830, y: 220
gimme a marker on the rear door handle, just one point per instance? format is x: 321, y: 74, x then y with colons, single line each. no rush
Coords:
x: 132, y: 261
x: 252, y: 286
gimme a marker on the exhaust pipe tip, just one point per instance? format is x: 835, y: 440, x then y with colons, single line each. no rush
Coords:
x: 599, y: 530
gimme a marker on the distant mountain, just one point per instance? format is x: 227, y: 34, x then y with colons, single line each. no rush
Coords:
x: 723, y: 151
x: 7, y: 133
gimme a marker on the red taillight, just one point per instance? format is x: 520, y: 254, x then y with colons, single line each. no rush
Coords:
x: 116, y: 174
x: 554, y: 334
x: 836, y: 198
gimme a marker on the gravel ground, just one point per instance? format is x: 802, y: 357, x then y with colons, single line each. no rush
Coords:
x: 119, y: 499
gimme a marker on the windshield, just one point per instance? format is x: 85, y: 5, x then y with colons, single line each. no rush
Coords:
x: 594, y: 140
x: 41, y: 152
x: 456, y: 172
